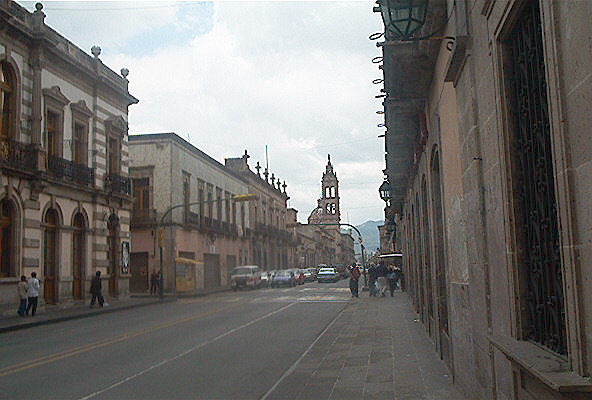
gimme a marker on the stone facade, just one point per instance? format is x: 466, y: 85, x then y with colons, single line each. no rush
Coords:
x: 167, y: 171
x: 496, y: 259
x: 65, y: 191
x: 271, y: 243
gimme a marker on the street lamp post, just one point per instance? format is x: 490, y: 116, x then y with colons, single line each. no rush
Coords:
x: 236, y: 198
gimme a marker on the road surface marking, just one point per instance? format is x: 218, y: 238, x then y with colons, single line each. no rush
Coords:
x: 295, y: 365
x: 12, y: 369
x: 191, y: 350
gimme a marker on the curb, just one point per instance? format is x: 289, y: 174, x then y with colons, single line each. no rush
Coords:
x: 83, y: 315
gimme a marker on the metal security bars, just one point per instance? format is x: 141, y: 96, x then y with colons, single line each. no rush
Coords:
x: 534, y: 186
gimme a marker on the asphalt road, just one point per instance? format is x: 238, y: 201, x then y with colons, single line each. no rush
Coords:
x: 224, y: 346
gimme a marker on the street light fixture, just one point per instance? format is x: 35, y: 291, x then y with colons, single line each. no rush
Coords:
x: 403, y: 18
x: 385, y: 191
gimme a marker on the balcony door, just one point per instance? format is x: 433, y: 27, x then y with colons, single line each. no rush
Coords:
x: 113, y: 155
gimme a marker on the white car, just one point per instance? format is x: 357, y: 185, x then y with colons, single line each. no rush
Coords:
x: 328, y: 275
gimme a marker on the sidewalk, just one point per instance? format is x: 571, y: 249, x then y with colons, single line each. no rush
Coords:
x: 50, y: 314
x: 374, y: 350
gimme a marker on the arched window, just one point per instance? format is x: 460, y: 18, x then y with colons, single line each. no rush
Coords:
x: 7, y: 100
x: 50, y: 256
x: 78, y: 255
x: 7, y: 242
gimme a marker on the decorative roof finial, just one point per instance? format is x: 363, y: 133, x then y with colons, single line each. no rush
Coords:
x: 284, y: 186
x: 272, y: 179
x: 258, y: 168
x: 246, y: 156
x: 266, y: 174
x: 124, y: 72
x: 38, y: 7
x: 95, y: 51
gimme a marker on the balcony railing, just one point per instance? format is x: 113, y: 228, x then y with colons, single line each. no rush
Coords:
x: 192, y: 218
x: 143, y: 216
x: 118, y: 184
x: 70, y: 171
x: 18, y: 155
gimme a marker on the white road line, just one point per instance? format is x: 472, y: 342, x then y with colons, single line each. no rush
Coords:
x: 168, y: 360
x: 295, y: 365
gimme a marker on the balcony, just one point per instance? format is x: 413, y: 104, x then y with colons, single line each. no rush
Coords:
x: 192, y: 218
x: 69, y: 171
x: 18, y: 155
x: 143, y: 217
x: 118, y: 184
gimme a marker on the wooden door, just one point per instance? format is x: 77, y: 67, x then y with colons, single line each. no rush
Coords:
x: 139, y: 271
x: 113, y: 264
x: 50, y: 253
x: 211, y: 270
x: 78, y: 257
x: 6, y: 245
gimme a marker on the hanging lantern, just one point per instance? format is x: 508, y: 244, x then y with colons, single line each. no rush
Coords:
x: 403, y: 18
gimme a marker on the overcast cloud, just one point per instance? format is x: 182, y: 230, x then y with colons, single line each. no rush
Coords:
x: 230, y: 76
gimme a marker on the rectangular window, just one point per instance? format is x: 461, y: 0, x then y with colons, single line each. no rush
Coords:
x: 186, y: 195
x: 535, y: 206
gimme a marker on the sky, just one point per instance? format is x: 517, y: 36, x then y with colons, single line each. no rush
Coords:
x: 234, y: 76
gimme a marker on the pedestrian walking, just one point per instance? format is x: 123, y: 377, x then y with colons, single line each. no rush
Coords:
x: 22, y: 289
x: 372, y: 280
x: 392, y: 280
x: 354, y: 276
x: 160, y: 284
x: 32, y: 294
x: 381, y: 281
x: 95, y: 291
x: 153, y: 282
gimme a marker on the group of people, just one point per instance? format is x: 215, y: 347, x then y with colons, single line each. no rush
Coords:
x: 380, y: 278
x: 156, y: 282
x: 28, y: 292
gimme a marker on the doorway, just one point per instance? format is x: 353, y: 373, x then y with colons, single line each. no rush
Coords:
x: 139, y: 271
x: 50, y: 255
x: 211, y: 270
x: 78, y: 256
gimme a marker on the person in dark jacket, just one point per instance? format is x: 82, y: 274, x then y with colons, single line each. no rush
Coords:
x: 153, y: 282
x: 95, y: 290
x: 354, y: 275
x: 372, y: 276
x: 381, y: 281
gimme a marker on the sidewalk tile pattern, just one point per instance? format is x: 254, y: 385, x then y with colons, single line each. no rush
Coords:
x: 376, y: 349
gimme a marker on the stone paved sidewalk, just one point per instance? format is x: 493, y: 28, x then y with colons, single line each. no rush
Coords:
x: 375, y: 349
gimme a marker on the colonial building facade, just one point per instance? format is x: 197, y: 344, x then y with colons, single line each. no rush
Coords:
x: 183, y: 203
x: 271, y: 243
x: 64, y: 194
x: 488, y: 157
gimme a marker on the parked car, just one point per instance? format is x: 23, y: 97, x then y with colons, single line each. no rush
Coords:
x: 245, y: 276
x: 309, y: 275
x: 283, y: 277
x: 328, y: 275
x: 266, y: 278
